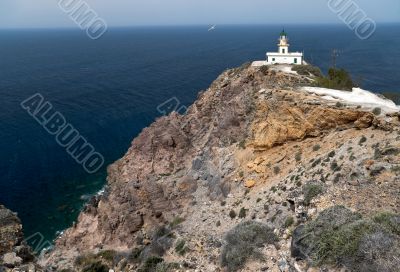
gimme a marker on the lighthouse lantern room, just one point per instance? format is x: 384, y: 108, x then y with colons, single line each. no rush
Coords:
x: 283, y: 56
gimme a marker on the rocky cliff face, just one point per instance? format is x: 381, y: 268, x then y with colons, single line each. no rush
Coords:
x: 253, y: 147
x: 15, y: 255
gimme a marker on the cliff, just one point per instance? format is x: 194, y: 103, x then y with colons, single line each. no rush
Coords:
x: 235, y: 182
x: 14, y: 252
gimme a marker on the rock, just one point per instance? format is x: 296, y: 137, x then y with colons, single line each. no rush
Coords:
x: 250, y: 183
x: 10, y: 230
x: 11, y: 259
x: 283, y: 265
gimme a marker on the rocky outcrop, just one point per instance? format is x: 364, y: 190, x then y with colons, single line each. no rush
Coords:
x: 254, y: 146
x: 14, y: 252
x: 288, y: 120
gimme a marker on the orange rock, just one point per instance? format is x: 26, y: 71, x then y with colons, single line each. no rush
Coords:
x: 250, y: 183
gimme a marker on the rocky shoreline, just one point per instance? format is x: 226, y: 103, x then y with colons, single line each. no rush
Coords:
x: 235, y: 183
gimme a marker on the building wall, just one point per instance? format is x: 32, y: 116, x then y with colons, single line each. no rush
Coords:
x: 285, y: 59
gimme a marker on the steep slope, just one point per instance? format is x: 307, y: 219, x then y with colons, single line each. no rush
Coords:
x: 254, y: 146
x: 14, y: 253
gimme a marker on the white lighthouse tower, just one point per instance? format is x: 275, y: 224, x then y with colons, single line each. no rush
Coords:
x: 283, y: 56
x: 283, y: 43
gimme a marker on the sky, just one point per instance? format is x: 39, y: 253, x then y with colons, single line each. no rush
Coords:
x: 48, y: 14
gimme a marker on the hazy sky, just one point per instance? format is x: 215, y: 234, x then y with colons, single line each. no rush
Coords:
x: 46, y: 13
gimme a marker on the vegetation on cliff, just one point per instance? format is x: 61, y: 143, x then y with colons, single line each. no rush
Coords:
x: 338, y: 79
x: 242, y: 243
x: 340, y: 236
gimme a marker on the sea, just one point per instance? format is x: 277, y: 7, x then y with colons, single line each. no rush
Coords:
x: 109, y: 90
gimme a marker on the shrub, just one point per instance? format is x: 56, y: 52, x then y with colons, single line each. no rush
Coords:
x: 96, y: 267
x: 316, y: 147
x: 107, y: 255
x: 166, y: 267
x: 242, y: 213
x: 311, y: 191
x: 338, y: 79
x: 242, y: 243
x: 264, y: 69
x: 150, y: 264
x: 180, y: 247
x: 134, y: 256
x: 335, y: 167
x: 339, y: 236
x: 277, y: 170
x: 377, y: 111
x: 288, y: 222
x: 362, y: 140
x: 298, y: 156
x: 307, y: 70
x: 232, y: 214
x: 242, y: 144
x: 339, y: 105
x: 176, y: 221
x: 316, y: 162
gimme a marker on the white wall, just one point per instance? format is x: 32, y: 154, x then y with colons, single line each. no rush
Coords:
x: 285, y: 59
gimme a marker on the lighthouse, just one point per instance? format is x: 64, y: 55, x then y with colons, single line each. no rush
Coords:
x: 283, y: 43
x: 283, y: 56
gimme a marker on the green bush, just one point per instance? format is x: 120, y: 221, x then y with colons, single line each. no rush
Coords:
x: 363, y: 139
x: 107, y: 255
x: 307, y: 70
x: 176, y: 221
x: 339, y: 236
x: 242, y: 213
x: 180, y: 247
x: 242, y: 243
x: 232, y: 214
x: 288, y: 222
x: 377, y: 111
x: 298, y: 156
x: 264, y: 69
x: 338, y: 79
x: 150, y: 264
x: 316, y: 147
x: 311, y: 191
x: 95, y: 267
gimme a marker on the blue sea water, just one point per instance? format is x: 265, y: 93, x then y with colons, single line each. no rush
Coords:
x: 109, y: 90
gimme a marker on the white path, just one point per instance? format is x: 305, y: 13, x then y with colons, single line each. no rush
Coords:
x: 359, y: 97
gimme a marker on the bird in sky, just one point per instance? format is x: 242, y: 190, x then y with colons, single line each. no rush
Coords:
x: 212, y: 28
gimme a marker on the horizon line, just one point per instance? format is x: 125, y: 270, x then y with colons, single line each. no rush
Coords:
x: 188, y: 25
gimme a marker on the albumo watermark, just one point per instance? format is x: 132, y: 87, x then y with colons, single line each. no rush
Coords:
x: 354, y: 17
x: 85, y: 17
x: 65, y: 134
x: 38, y: 243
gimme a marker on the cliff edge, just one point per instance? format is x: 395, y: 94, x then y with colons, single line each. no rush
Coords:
x: 239, y: 180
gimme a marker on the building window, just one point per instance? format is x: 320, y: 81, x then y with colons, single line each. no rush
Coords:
x: 273, y: 59
x: 295, y: 60
x: 283, y: 51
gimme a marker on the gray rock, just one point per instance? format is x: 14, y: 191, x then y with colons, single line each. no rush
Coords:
x: 11, y: 259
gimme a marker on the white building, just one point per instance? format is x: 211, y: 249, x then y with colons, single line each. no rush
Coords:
x: 283, y: 56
